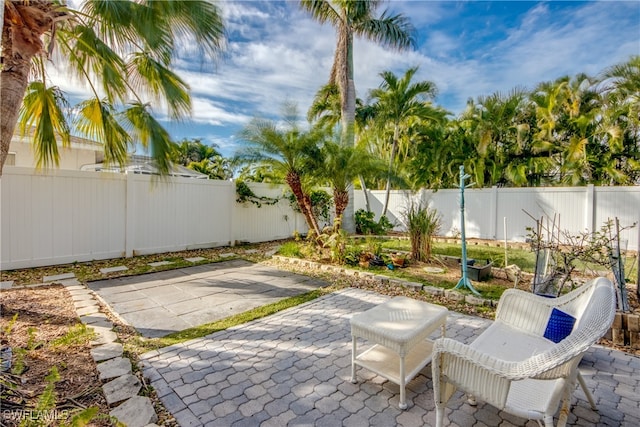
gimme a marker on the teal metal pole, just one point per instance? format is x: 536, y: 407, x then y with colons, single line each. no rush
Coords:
x: 464, y: 281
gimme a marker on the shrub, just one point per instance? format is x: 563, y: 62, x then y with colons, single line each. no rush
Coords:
x: 422, y: 223
x: 290, y: 249
x: 365, y: 224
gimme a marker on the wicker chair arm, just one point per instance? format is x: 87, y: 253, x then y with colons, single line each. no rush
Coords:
x: 525, y: 311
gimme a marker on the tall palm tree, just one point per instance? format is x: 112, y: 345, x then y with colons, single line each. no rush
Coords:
x: 122, y: 50
x: 400, y: 104
x: 291, y: 153
x: 349, y: 18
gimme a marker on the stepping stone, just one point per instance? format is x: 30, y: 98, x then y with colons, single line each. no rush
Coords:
x: 114, y: 368
x: 82, y: 296
x: 69, y: 282
x: 159, y: 263
x: 106, y: 351
x: 94, y: 318
x: 104, y: 335
x: 435, y: 270
x: 123, y: 387
x: 113, y: 269
x: 136, y: 412
x: 92, y: 309
x: 195, y: 259
x: 57, y: 277
x: 6, y: 284
x: 227, y: 255
x: 76, y: 288
x: 251, y: 251
x: 84, y: 303
x: 272, y: 252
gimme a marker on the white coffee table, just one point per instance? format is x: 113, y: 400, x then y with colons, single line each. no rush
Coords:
x: 399, y: 328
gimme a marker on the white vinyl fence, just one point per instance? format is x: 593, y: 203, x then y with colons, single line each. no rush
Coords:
x: 66, y: 216
x: 577, y: 209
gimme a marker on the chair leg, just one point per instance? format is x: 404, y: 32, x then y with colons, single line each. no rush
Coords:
x: 587, y: 393
x: 439, y: 416
x: 548, y: 421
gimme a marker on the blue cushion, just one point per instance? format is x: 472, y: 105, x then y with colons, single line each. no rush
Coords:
x: 559, y: 326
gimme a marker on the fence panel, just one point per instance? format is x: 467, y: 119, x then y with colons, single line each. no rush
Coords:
x: 267, y: 222
x: 621, y: 202
x: 60, y: 217
x: 178, y: 214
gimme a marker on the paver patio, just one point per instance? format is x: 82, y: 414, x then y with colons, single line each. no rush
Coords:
x: 293, y: 368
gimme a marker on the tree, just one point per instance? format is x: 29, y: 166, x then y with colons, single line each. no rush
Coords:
x: 399, y: 104
x: 358, y: 18
x: 342, y: 164
x: 289, y: 152
x: 122, y: 50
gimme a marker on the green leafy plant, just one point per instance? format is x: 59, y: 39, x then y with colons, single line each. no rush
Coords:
x: 78, y: 334
x: 245, y: 194
x: 422, y: 223
x: 321, y: 203
x: 365, y: 223
x: 290, y: 249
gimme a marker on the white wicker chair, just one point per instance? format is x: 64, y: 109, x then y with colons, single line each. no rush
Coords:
x: 512, y: 366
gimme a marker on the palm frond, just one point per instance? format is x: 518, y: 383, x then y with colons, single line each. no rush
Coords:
x: 150, y: 134
x: 145, y: 72
x: 43, y: 112
x: 98, y: 120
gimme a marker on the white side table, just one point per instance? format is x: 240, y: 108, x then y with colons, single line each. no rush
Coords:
x: 399, y: 328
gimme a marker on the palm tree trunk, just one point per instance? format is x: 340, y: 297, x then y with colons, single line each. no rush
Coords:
x: 394, y: 148
x: 367, y: 205
x: 304, y: 202
x: 13, y: 83
x: 341, y: 199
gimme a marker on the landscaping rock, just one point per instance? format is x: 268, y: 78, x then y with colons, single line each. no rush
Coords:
x: 123, y: 387
x: 136, y: 412
x: 106, y: 351
x: 114, y: 368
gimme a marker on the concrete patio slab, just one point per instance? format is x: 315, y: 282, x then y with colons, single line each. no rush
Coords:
x: 160, y: 303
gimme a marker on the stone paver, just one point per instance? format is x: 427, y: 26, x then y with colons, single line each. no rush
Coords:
x: 114, y: 368
x: 136, y: 412
x: 58, y: 277
x: 107, y: 351
x: 6, y: 284
x: 160, y: 263
x: 121, y: 388
x: 113, y: 269
x: 195, y: 259
x: 261, y: 372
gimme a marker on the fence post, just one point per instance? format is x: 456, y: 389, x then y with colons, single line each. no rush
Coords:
x: 129, y: 215
x: 589, y: 208
x: 232, y: 212
x: 493, y: 212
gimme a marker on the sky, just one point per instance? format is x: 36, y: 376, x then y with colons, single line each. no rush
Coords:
x: 276, y: 53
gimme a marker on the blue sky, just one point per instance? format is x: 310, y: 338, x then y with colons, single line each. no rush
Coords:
x: 276, y: 53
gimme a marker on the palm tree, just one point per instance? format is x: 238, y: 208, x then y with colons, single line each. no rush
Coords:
x: 341, y: 165
x: 192, y: 150
x: 122, y: 50
x: 349, y: 18
x: 401, y: 104
x: 291, y: 153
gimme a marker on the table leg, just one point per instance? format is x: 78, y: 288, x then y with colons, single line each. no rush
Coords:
x: 353, y: 359
x: 403, y: 403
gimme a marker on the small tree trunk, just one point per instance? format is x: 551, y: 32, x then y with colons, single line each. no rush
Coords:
x: 394, y: 148
x: 366, y: 193
x: 303, y: 200
x: 341, y: 199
